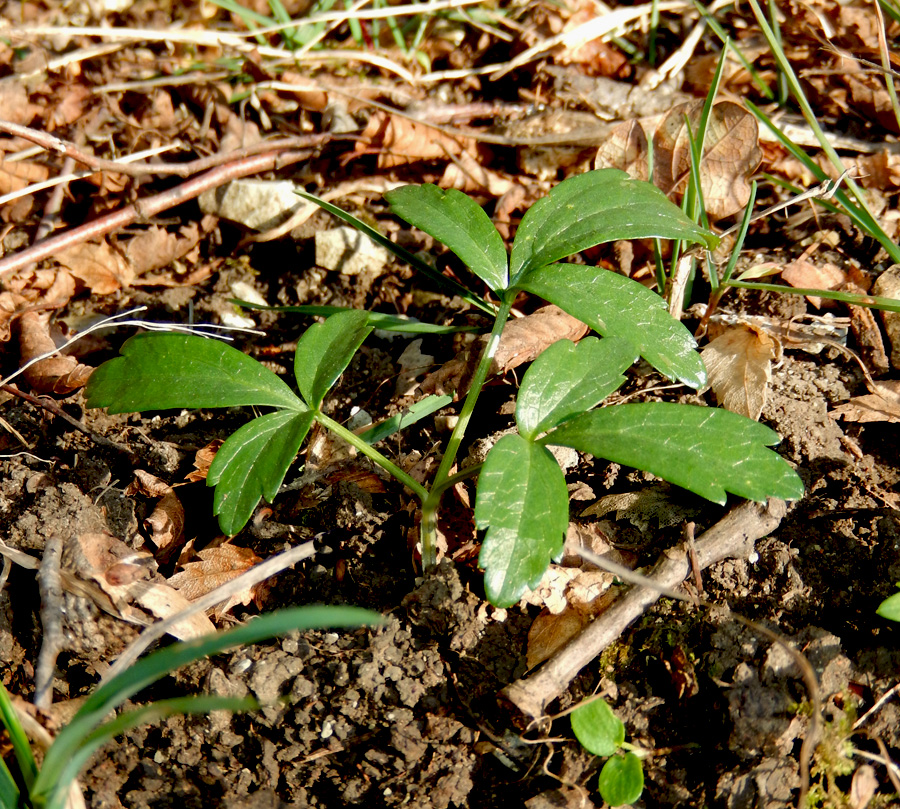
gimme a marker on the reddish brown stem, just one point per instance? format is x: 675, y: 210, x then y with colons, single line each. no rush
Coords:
x: 145, y: 208
x: 64, y: 147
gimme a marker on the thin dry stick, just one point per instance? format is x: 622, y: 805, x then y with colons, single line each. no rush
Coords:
x: 732, y: 536
x: 192, y: 167
x: 272, y: 565
x: 52, y: 610
x: 145, y: 208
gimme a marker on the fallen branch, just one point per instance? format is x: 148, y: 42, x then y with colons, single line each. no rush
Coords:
x: 189, y: 169
x: 145, y: 208
x: 733, y: 536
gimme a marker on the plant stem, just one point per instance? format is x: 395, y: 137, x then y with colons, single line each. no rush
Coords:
x: 374, y: 455
x: 428, y: 527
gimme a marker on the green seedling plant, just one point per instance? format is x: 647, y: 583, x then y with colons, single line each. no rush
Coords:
x: 522, y: 501
x: 601, y: 732
x: 47, y: 786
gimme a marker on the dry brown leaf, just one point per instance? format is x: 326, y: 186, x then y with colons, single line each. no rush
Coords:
x: 19, y: 174
x: 57, y: 374
x: 99, y: 267
x: 217, y: 566
x: 803, y: 274
x: 401, y: 141
x: 881, y: 406
x: 523, y: 340
x: 16, y: 104
x: 549, y: 633
x: 166, y: 522
x: 585, y: 594
x: 202, y: 459
x: 467, y: 173
x: 156, y: 247
x: 129, y: 577
x: 730, y: 156
x: 739, y: 366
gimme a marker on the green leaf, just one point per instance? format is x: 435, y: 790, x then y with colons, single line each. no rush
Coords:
x: 705, y: 450
x: 404, y: 255
x: 597, y: 728
x: 621, y: 780
x: 252, y: 463
x: 616, y: 306
x: 890, y: 607
x: 524, y: 505
x: 325, y: 350
x: 457, y: 221
x: 10, y: 797
x: 164, y: 371
x: 568, y: 379
x: 593, y: 208
x: 151, y: 668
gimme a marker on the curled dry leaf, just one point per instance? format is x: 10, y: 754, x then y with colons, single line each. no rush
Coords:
x: 402, y: 141
x: 57, y: 374
x: 202, y: 459
x: 731, y: 153
x: 739, y: 366
x: 585, y: 594
x: 166, y: 522
x: 129, y: 580
x: 804, y: 274
x: 217, y: 566
x: 467, y: 173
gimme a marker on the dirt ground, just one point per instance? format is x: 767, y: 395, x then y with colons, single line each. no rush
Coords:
x: 407, y: 714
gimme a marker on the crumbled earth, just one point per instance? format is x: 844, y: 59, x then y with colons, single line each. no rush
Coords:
x: 719, y: 698
x: 406, y: 714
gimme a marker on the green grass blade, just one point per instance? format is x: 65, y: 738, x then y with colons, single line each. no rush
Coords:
x: 10, y: 797
x: 21, y: 746
x: 859, y: 214
x: 416, y: 412
x: 377, y: 320
x: 157, y: 665
x: 738, y: 244
x: 708, y: 451
x: 161, y: 709
x: 717, y: 29
x: 870, y: 301
x: 165, y: 371
x: 808, y: 114
x: 404, y: 255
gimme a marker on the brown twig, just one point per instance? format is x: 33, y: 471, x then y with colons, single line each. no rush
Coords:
x: 192, y: 167
x: 732, y: 536
x: 254, y: 575
x: 145, y: 208
x: 52, y: 407
x: 52, y: 610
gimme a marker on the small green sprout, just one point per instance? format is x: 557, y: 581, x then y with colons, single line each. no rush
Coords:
x: 602, y: 733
